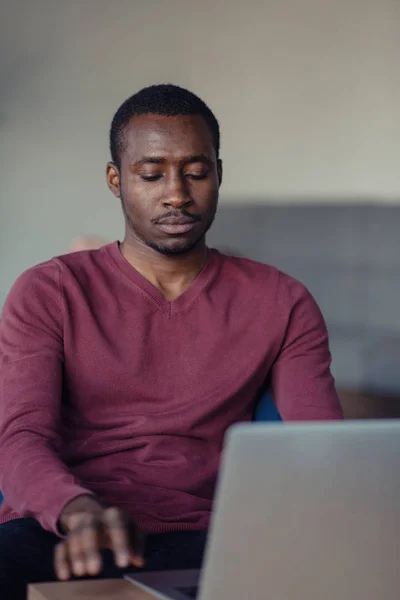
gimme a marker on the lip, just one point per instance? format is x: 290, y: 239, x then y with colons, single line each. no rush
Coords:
x: 177, y: 226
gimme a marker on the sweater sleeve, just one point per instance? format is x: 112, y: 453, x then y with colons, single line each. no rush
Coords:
x: 33, y: 479
x: 301, y: 381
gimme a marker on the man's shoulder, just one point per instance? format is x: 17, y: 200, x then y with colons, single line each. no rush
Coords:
x: 35, y: 291
x: 42, y: 274
x: 262, y: 275
x: 47, y: 279
x: 83, y: 260
x: 247, y: 266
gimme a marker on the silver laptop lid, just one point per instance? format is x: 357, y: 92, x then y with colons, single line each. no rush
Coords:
x: 307, y: 512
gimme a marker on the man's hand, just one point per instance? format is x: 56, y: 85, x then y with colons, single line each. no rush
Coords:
x: 89, y: 528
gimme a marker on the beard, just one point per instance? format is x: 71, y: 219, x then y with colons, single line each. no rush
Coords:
x: 176, y: 247
x: 176, y: 250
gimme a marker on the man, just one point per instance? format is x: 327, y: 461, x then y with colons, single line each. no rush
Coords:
x: 123, y: 367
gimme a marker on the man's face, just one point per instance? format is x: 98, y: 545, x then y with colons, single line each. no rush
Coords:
x: 168, y: 181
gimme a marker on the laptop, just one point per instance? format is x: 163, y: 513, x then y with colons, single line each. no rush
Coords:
x: 302, y: 512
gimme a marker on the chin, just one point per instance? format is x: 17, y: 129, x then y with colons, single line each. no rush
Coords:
x: 177, y: 247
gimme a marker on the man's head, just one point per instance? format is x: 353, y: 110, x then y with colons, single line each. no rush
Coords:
x: 165, y: 168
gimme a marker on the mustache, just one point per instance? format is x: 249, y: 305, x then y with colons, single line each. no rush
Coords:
x: 173, y: 214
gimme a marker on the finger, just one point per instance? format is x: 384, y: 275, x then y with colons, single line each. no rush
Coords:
x: 138, y: 542
x: 137, y: 561
x: 76, y: 553
x: 117, y: 532
x: 90, y: 541
x: 61, y: 564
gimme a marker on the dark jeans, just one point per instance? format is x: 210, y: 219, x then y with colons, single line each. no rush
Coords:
x: 26, y: 555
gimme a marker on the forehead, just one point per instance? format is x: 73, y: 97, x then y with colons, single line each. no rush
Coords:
x: 169, y: 137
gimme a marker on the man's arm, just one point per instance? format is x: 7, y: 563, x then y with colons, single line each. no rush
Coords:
x: 33, y: 479
x: 301, y: 381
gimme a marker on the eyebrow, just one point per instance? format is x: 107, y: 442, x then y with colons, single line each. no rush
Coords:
x: 202, y: 158
x: 148, y: 159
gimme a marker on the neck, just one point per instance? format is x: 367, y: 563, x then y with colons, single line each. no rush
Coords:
x: 172, y: 275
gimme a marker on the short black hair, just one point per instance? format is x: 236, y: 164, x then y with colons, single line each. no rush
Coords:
x: 164, y: 99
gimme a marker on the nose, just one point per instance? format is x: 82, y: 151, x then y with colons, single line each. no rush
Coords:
x: 176, y: 194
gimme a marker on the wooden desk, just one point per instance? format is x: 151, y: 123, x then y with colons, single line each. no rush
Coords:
x: 99, y: 589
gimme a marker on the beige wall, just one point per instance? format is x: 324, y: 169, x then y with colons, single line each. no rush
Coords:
x: 307, y: 93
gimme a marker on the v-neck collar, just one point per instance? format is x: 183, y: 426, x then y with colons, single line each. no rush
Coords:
x: 169, y: 307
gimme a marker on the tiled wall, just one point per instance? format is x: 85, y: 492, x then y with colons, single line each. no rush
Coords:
x: 349, y: 257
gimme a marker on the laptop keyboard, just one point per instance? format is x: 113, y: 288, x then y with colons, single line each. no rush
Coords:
x: 190, y: 592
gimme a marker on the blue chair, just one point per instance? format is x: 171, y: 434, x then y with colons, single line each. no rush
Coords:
x: 266, y: 409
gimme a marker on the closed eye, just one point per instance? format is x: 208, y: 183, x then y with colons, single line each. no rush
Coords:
x: 151, y: 177
x: 197, y: 176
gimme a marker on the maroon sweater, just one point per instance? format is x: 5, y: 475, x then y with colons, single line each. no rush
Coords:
x: 107, y: 387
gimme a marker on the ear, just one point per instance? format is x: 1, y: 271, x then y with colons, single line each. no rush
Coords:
x: 113, y: 179
x: 219, y: 170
